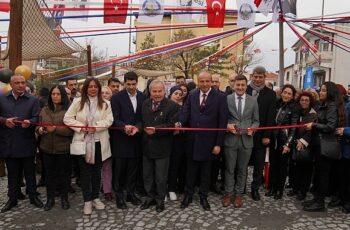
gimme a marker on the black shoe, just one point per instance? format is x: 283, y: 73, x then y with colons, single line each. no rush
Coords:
x: 65, y: 203
x: 308, y: 202
x: 291, y: 193
x: 133, y: 199
x: 186, y: 201
x: 346, y: 208
x: 335, y: 202
x: 160, y: 207
x: 278, y: 195
x: 204, y: 203
x: 255, y: 195
x: 270, y: 192
x: 37, y: 202
x: 301, y: 196
x: 315, y: 207
x: 21, y: 196
x: 148, y: 203
x: 71, y: 189
x: 141, y: 192
x: 8, y: 206
x: 49, y: 204
x: 120, y: 203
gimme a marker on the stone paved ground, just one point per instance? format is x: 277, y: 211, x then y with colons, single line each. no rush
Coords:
x: 266, y: 214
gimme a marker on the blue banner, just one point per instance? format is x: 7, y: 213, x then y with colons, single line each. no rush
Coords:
x: 309, y: 78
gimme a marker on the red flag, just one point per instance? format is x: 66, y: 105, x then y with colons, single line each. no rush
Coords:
x: 115, y: 11
x: 257, y: 2
x: 5, y: 7
x: 216, y: 13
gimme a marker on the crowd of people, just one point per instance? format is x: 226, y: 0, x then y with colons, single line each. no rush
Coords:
x: 129, y: 144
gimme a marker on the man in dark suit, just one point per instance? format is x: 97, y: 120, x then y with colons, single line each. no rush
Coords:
x: 17, y: 140
x: 204, y: 108
x: 267, y: 107
x: 126, y: 108
x: 243, y: 114
x: 157, y: 112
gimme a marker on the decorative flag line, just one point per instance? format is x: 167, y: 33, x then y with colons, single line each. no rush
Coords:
x: 326, y: 38
x: 233, y: 45
x: 177, y: 45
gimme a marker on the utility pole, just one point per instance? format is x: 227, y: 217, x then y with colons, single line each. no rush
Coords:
x: 15, y: 34
x: 281, y: 47
x: 89, y: 60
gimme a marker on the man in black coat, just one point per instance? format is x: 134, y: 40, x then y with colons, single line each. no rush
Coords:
x: 17, y: 140
x: 126, y: 150
x: 204, y: 108
x: 267, y: 107
x: 157, y: 112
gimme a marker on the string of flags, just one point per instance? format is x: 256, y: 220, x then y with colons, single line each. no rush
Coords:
x: 152, y: 11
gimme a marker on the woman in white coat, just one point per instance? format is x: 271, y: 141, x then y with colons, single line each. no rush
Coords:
x: 90, y: 116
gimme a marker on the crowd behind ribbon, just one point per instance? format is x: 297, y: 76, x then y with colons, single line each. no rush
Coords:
x: 123, y: 142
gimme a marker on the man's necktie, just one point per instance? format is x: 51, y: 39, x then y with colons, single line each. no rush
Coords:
x: 239, y: 109
x: 155, y: 105
x: 203, y: 101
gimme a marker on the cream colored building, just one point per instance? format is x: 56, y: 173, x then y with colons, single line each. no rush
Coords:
x: 163, y: 37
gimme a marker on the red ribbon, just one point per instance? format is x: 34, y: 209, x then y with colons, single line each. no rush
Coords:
x: 165, y: 128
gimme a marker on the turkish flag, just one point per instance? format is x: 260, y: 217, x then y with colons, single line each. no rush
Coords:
x: 115, y: 11
x: 216, y: 13
x: 4, y: 6
x: 257, y: 2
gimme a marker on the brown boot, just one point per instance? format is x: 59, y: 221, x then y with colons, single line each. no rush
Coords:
x: 226, y: 201
x: 2, y: 168
x: 238, y: 202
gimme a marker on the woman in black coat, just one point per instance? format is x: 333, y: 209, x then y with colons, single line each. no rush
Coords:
x: 331, y: 115
x: 302, y: 162
x: 287, y: 114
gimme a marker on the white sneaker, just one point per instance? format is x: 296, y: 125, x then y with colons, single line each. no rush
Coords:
x: 97, y: 203
x: 88, y: 208
x: 172, y: 196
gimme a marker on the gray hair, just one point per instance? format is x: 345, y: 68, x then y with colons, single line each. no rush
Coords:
x: 156, y: 82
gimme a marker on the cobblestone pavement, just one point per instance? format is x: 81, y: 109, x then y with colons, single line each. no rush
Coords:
x: 266, y: 214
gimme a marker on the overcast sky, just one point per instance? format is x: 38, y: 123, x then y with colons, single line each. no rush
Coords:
x: 266, y: 40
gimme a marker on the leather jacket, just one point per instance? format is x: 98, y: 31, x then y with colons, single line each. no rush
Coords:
x: 287, y: 114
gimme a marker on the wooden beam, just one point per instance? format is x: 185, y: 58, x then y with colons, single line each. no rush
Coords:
x: 15, y: 34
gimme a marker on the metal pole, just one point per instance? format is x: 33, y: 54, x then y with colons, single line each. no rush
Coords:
x: 89, y: 60
x: 281, y: 47
x: 130, y: 21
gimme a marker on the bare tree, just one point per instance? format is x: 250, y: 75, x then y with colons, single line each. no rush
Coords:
x: 251, y: 56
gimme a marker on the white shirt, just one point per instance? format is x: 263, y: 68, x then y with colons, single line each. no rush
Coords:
x: 201, y: 95
x: 133, y: 101
x: 243, y: 101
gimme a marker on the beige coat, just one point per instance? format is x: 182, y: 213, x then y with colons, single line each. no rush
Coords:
x: 77, y: 118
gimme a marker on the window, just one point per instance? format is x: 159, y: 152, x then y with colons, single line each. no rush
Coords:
x: 325, y: 46
x: 287, y: 76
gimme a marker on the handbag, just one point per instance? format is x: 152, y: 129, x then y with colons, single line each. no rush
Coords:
x: 330, y: 146
x: 303, y: 156
x: 78, y: 148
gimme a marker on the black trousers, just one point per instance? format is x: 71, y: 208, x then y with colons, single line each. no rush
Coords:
x: 217, y: 168
x: 57, y: 174
x: 14, y: 169
x: 258, y: 155
x: 345, y: 181
x: 155, y: 176
x: 203, y: 168
x: 90, y: 175
x: 177, y: 172
x: 278, y: 169
x: 301, y: 174
x: 322, y: 176
x: 125, y: 172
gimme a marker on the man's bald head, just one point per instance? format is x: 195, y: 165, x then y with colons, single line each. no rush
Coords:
x: 215, y: 81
